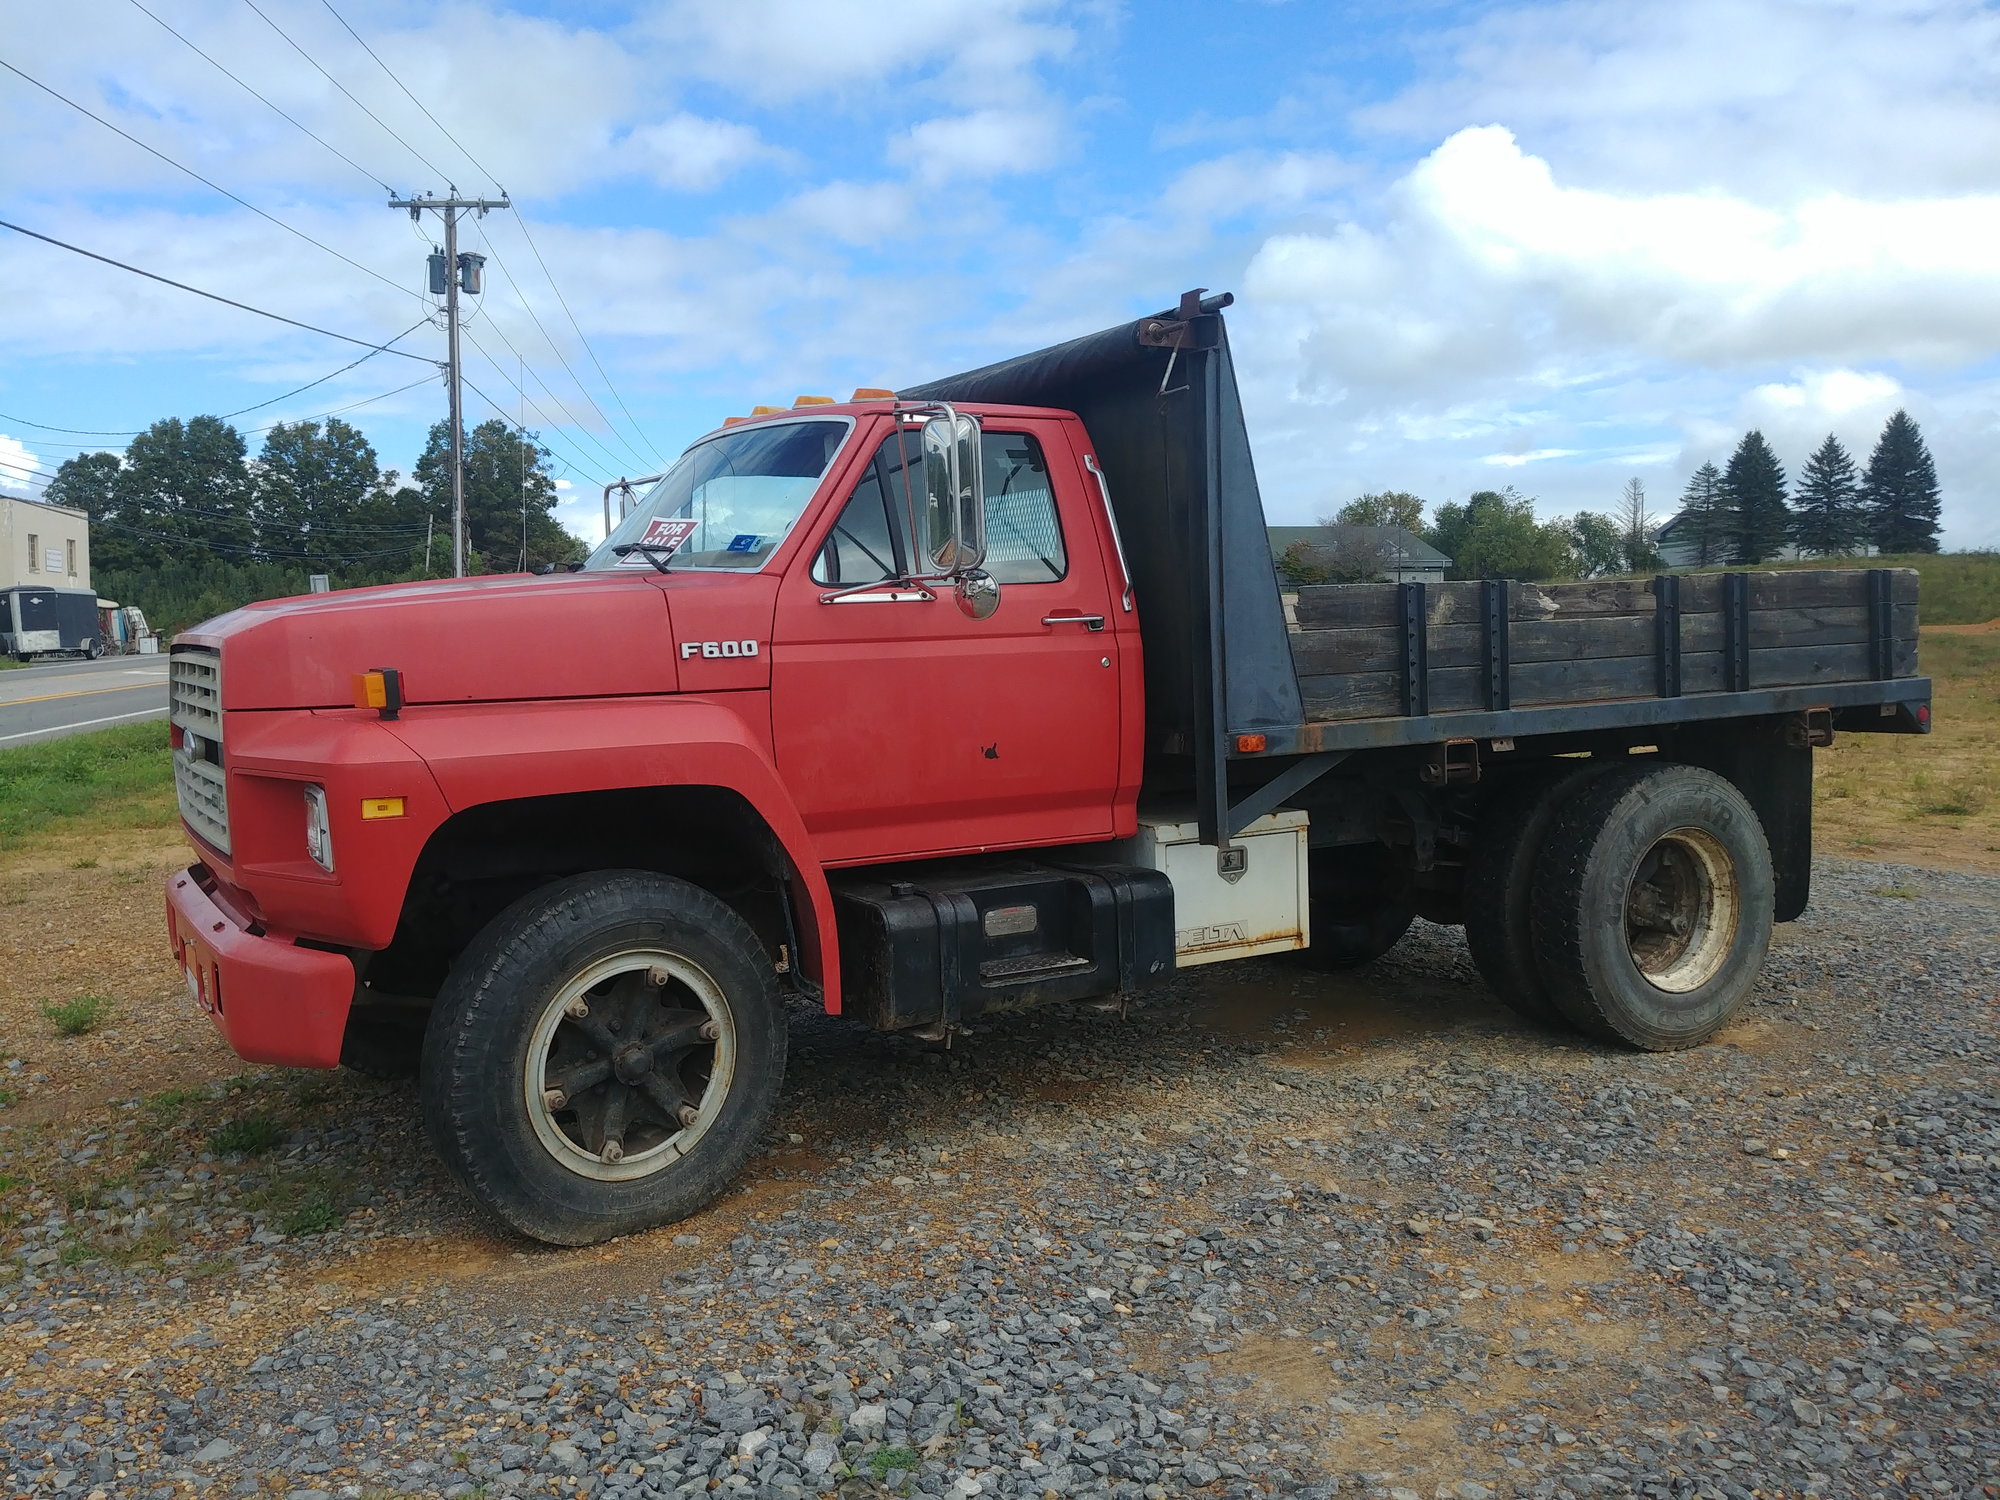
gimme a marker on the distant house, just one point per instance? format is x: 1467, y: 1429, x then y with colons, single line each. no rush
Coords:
x: 1677, y: 548
x: 43, y: 546
x: 1403, y: 556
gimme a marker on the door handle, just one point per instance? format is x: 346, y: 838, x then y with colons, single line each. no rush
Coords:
x: 1089, y: 622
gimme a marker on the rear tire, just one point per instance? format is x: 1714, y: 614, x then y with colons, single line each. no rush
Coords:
x: 604, y: 1056
x: 1652, y: 906
x: 1499, y: 885
x: 1357, y: 912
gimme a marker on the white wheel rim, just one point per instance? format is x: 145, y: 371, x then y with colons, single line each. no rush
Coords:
x: 611, y: 991
x: 1682, y: 908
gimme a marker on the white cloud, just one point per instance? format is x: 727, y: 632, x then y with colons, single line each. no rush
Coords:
x: 1532, y: 456
x: 791, y: 49
x: 17, y: 460
x: 985, y: 143
x: 691, y: 152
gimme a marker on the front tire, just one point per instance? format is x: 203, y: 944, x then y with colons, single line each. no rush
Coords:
x: 1652, y: 906
x: 604, y: 1056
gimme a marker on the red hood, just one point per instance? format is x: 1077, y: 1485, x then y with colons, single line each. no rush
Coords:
x: 567, y: 635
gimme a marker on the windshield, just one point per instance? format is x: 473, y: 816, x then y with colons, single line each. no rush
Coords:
x: 730, y: 501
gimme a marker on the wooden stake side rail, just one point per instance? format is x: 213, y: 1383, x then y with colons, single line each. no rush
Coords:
x: 1376, y: 650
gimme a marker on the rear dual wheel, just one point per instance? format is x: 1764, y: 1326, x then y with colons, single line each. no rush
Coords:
x: 604, y: 1057
x: 1633, y: 902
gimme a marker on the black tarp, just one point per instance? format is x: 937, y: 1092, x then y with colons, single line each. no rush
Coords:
x: 1167, y: 425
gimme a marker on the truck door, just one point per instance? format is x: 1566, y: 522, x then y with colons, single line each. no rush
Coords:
x: 905, y: 728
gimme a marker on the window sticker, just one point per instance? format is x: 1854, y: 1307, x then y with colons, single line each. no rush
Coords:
x: 664, y: 536
x: 745, y: 541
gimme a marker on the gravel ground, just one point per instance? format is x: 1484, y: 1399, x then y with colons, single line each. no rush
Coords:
x: 1270, y: 1232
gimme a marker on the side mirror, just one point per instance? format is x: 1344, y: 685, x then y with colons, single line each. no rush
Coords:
x: 954, y: 519
x: 978, y: 594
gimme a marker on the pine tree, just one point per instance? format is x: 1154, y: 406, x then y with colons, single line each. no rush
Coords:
x: 1704, y: 521
x: 1636, y: 528
x: 1753, y: 490
x: 1901, y: 487
x: 1827, y: 515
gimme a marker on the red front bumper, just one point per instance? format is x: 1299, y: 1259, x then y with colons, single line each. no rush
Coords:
x: 273, y: 1001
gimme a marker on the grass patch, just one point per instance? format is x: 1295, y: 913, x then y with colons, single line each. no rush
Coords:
x: 118, y: 778
x: 310, y: 1202
x: 81, y: 1016
x: 882, y: 1460
x: 7, y: 1182
x: 1896, y: 892
x: 246, y: 1135
x: 1926, y: 799
x: 7, y: 1097
x: 1955, y: 588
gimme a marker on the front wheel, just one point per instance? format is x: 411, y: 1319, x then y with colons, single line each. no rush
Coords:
x: 604, y: 1056
x: 1652, y: 906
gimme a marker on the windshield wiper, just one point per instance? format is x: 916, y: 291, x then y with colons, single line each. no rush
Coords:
x: 659, y: 557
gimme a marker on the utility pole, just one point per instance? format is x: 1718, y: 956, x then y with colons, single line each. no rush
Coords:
x: 456, y: 273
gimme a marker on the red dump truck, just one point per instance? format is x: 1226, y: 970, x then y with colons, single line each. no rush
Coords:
x: 935, y: 704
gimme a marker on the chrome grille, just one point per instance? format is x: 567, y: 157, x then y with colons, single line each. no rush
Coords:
x: 194, y: 706
x: 194, y: 692
x: 198, y: 786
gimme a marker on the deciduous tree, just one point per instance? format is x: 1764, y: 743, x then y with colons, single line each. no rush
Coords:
x: 510, y: 498
x: 1495, y: 535
x: 1384, y: 508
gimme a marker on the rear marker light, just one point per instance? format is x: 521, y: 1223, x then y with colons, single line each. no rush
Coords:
x: 1250, y: 744
x: 381, y: 807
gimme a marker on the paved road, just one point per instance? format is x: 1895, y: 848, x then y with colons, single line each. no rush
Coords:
x: 51, y: 699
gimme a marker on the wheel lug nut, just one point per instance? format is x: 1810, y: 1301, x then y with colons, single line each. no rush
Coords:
x: 612, y: 1152
x: 577, y: 1009
x: 689, y: 1114
x: 658, y: 976
x: 710, y: 1031
x: 554, y: 1098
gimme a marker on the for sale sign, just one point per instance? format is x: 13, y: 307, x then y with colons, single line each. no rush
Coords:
x: 664, y: 536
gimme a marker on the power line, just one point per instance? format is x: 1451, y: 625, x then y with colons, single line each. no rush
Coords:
x: 501, y: 412
x: 554, y: 348
x: 521, y: 220
x: 577, y: 456
x: 414, y: 99
x: 248, y: 432
x: 216, y: 296
x: 561, y: 405
x: 259, y: 97
x: 466, y: 152
x: 345, y: 90
x: 204, y: 181
x: 241, y: 410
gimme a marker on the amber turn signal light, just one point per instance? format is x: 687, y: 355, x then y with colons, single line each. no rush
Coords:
x: 381, y: 688
x: 380, y: 807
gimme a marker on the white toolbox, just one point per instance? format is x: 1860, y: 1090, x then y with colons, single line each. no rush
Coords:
x: 1251, y: 899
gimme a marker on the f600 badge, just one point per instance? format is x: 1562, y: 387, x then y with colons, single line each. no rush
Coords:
x: 717, y: 648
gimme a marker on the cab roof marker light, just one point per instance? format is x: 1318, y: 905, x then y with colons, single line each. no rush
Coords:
x: 732, y: 421
x: 872, y: 393
x: 379, y: 688
x: 798, y: 401
x: 764, y: 411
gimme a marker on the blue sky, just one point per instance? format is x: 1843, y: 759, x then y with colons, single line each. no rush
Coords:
x: 1553, y: 245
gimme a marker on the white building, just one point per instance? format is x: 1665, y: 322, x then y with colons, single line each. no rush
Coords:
x: 43, y: 546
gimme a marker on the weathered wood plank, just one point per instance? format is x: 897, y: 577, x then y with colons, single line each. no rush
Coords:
x: 1318, y: 653
x: 1335, y: 606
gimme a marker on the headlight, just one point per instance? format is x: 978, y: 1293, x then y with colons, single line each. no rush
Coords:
x: 319, y: 835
